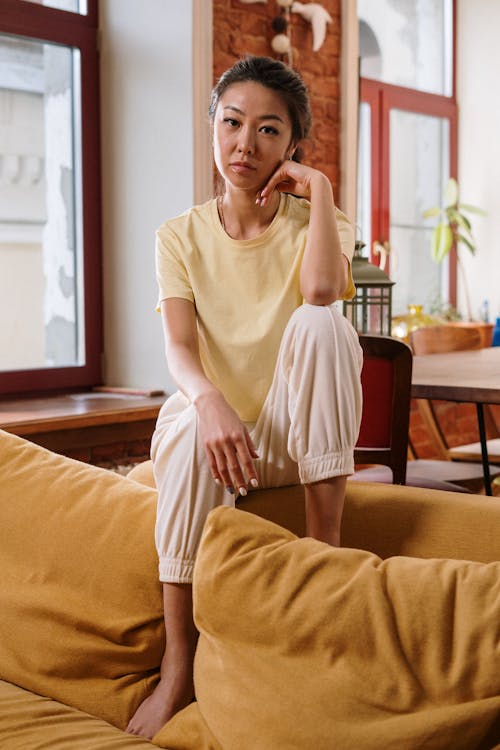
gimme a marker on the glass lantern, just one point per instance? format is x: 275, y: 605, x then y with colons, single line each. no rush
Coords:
x: 370, y: 310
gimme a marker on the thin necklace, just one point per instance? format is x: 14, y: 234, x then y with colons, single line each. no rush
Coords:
x: 220, y: 198
x: 221, y: 212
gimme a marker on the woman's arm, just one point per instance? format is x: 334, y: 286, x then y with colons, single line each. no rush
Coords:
x: 324, y: 269
x: 323, y: 274
x: 227, y: 443
x: 181, y: 348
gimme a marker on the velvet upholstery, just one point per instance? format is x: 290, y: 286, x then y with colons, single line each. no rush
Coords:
x: 81, y: 631
x: 303, y: 645
x: 82, y: 617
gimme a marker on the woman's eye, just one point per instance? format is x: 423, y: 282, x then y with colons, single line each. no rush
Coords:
x: 230, y: 121
x: 269, y: 130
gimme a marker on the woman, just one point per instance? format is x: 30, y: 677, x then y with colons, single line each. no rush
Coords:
x: 268, y: 370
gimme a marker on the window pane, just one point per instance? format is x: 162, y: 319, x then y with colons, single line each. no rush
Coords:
x: 407, y: 43
x: 76, y: 6
x: 40, y: 206
x: 419, y: 158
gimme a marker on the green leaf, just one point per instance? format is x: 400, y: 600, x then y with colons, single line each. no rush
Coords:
x: 430, y: 212
x: 460, y: 219
x: 467, y: 242
x: 441, y: 243
x: 472, y: 209
x: 451, y: 193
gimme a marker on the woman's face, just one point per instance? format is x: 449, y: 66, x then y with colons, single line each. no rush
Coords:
x: 252, y: 135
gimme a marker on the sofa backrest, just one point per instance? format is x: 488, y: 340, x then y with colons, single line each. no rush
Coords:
x: 389, y: 519
x: 81, y: 604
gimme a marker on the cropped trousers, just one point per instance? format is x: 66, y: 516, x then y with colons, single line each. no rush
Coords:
x: 305, y: 433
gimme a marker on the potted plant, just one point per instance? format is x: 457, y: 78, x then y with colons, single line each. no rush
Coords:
x: 452, y: 230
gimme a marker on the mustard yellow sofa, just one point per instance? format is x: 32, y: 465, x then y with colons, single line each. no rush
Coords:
x: 390, y: 642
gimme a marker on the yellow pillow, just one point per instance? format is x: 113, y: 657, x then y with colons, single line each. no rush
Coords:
x: 306, y: 646
x: 80, y: 601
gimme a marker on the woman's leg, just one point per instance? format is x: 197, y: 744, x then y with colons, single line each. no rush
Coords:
x: 313, y: 408
x: 186, y: 494
x: 175, y: 689
x: 324, y: 506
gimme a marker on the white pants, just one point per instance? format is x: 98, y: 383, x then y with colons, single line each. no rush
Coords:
x: 305, y: 432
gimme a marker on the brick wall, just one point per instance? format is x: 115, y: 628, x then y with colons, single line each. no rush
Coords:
x: 458, y: 423
x: 117, y: 454
x: 241, y: 29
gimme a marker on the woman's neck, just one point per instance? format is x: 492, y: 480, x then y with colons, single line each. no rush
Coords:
x: 242, y: 218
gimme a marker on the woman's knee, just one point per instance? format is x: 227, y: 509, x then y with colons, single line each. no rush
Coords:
x: 318, y: 320
x: 178, y: 443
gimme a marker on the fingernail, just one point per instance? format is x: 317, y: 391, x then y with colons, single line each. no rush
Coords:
x: 230, y: 489
x: 217, y: 481
x: 243, y: 491
x: 254, y: 482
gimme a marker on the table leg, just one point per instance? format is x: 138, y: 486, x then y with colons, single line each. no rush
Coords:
x: 484, y: 449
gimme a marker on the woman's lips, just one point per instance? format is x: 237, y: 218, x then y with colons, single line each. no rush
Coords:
x: 242, y: 167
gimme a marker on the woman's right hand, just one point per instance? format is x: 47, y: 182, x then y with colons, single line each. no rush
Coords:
x: 228, y: 445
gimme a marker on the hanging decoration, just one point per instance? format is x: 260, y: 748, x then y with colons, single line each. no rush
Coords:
x: 318, y: 17
x: 313, y: 13
x: 282, y: 42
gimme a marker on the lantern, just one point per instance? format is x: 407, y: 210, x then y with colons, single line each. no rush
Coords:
x: 370, y: 310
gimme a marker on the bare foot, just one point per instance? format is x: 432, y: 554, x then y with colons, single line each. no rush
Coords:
x: 173, y: 693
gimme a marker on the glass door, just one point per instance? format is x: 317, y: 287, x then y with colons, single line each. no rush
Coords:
x: 418, y: 170
x: 407, y: 142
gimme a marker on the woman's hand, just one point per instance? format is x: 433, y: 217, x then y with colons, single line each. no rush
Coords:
x: 292, y: 177
x: 228, y: 445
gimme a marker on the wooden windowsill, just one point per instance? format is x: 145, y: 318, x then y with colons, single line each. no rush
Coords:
x: 31, y: 416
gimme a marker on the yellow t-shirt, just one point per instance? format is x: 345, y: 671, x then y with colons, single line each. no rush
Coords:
x: 244, y: 291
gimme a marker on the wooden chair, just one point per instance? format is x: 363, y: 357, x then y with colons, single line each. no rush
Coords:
x: 447, y: 338
x: 386, y: 383
x: 383, y: 436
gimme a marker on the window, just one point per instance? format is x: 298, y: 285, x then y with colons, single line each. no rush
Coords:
x: 50, y: 267
x: 408, y: 43
x: 407, y: 142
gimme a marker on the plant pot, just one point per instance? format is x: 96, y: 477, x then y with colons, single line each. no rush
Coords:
x: 485, y: 330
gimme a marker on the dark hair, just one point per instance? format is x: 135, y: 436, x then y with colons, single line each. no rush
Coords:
x: 274, y: 75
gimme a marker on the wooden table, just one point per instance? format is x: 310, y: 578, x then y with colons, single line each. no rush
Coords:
x: 470, y: 376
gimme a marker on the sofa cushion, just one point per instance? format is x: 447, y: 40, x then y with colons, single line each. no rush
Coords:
x: 81, y: 604
x: 306, y: 646
x: 30, y: 721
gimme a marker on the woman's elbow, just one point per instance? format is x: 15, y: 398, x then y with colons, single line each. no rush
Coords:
x: 321, y: 294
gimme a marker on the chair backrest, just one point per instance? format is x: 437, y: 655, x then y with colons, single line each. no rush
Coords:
x: 386, y: 384
x: 444, y: 338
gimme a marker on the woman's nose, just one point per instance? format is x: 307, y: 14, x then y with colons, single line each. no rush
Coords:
x: 246, y: 142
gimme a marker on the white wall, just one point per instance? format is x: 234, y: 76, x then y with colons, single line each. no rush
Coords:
x: 479, y: 144
x: 147, y: 168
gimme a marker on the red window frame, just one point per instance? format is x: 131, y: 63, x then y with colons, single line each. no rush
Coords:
x: 36, y: 21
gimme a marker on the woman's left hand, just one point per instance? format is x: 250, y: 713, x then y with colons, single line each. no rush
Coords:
x: 291, y: 177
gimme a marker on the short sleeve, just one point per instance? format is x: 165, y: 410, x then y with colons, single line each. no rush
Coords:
x: 171, y: 272
x: 346, y: 234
